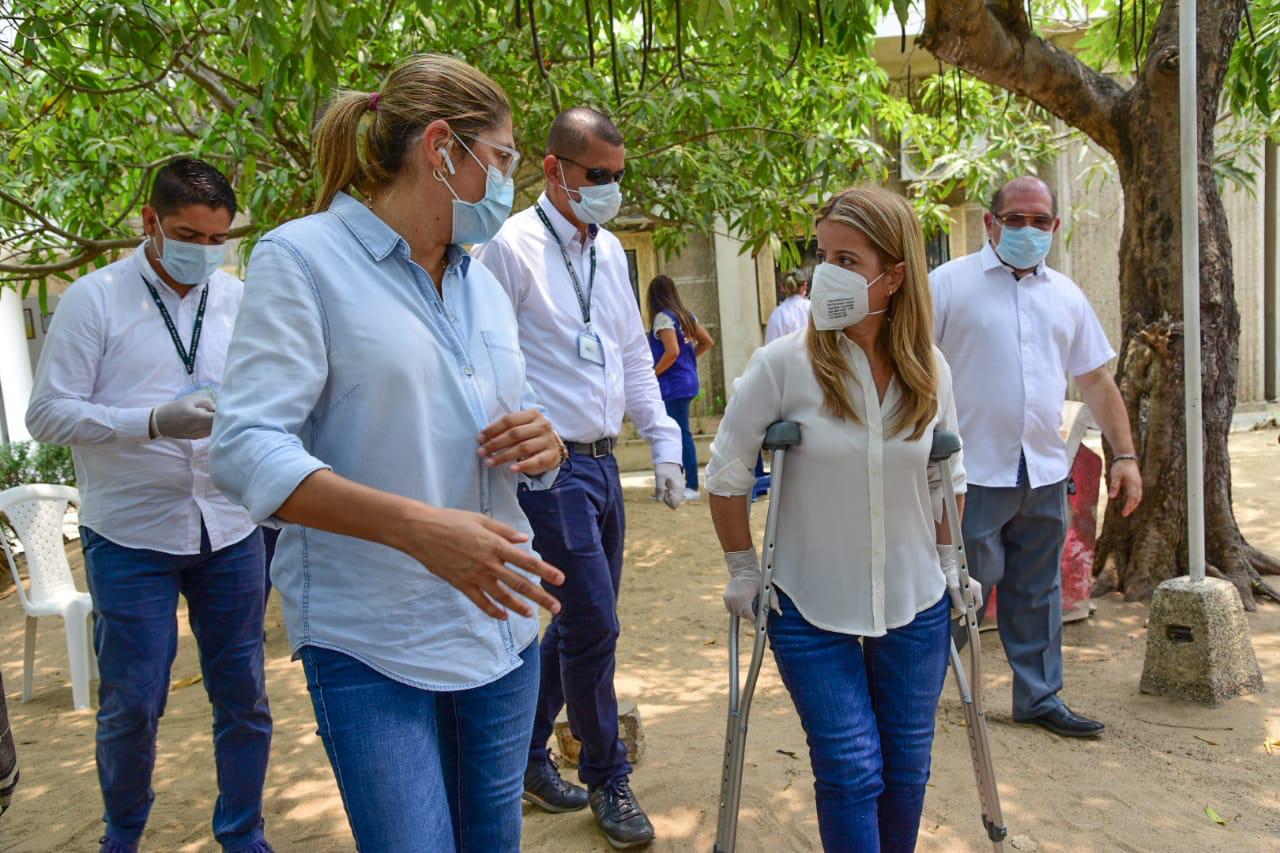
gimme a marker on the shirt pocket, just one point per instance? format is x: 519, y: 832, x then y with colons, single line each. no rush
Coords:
x: 506, y: 369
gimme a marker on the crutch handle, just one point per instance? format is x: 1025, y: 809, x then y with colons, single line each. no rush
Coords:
x: 781, y: 434
x: 945, y: 445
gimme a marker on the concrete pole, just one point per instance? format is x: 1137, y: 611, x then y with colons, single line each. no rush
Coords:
x: 15, y: 365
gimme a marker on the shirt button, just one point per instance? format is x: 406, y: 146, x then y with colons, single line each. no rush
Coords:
x: 467, y: 370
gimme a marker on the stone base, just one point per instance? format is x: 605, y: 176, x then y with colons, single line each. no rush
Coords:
x: 1198, y: 643
x: 629, y: 729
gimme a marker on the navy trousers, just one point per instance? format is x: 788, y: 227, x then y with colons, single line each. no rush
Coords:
x: 135, y: 633
x: 578, y: 527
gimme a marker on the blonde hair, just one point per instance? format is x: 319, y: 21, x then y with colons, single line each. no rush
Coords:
x: 888, y: 221
x: 422, y: 89
x: 792, y: 282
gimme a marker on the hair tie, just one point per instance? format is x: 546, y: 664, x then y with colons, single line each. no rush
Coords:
x: 373, y: 102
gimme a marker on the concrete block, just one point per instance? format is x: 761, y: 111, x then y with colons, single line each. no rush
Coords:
x: 629, y: 728
x: 1198, y: 644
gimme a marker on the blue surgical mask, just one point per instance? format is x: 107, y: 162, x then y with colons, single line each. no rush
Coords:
x: 188, y: 263
x: 1024, y: 248
x: 599, y: 204
x: 478, y: 221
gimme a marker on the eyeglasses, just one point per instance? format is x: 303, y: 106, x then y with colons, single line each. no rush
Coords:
x: 1022, y: 220
x: 508, y: 162
x: 595, y: 174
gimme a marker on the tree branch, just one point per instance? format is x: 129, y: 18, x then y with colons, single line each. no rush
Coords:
x: 542, y: 66
x: 722, y: 131
x: 92, y: 249
x: 995, y: 44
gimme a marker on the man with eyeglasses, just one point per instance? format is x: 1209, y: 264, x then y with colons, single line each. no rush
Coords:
x: 589, y: 362
x: 1013, y: 331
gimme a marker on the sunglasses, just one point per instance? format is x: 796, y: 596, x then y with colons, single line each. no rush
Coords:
x: 596, y: 175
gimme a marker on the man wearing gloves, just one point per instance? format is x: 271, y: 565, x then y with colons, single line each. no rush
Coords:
x: 589, y: 362
x: 1013, y: 330
x: 128, y: 378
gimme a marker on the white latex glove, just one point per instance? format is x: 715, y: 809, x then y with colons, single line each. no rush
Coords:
x: 744, y: 584
x: 668, y: 483
x: 951, y: 569
x: 190, y: 417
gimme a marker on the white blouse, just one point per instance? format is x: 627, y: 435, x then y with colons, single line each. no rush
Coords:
x: 855, y: 545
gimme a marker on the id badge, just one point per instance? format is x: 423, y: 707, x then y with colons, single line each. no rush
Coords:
x: 589, y: 347
x: 200, y: 389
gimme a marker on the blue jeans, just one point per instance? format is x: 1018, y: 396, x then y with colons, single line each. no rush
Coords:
x: 867, y: 706
x: 1014, y: 538
x: 578, y: 527
x: 135, y: 633
x: 423, y: 771
x: 679, y: 412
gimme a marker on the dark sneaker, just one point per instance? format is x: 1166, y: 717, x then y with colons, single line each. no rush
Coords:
x: 547, y: 789
x: 1062, y: 721
x: 620, y: 817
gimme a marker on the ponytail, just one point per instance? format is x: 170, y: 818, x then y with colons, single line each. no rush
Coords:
x: 336, y: 142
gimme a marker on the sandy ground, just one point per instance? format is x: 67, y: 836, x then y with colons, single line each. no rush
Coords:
x: 1144, y: 786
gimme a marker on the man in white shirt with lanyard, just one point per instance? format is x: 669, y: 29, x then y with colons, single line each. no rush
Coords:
x: 588, y: 361
x: 128, y: 377
x: 1012, y: 330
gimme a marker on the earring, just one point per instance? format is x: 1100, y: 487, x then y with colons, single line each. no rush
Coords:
x: 438, y: 175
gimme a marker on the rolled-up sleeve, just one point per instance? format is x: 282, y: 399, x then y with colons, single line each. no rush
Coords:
x: 756, y: 403
x: 277, y: 366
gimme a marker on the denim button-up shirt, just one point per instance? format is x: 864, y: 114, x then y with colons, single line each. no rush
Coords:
x: 345, y: 356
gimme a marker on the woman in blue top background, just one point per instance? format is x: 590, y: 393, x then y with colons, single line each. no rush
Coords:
x: 677, y: 340
x: 375, y: 400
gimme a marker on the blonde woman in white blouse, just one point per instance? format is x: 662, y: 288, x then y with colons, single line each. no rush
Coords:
x: 861, y: 633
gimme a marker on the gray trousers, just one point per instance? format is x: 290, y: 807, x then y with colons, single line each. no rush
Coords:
x: 1014, y: 538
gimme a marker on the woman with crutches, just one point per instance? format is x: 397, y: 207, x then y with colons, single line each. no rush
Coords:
x: 860, y: 630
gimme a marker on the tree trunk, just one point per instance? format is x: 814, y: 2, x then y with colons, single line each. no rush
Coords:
x: 1139, y: 128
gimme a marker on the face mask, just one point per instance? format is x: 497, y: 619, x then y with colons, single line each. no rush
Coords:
x: 599, y: 204
x: 477, y: 222
x: 188, y: 263
x: 1024, y: 248
x: 838, y: 297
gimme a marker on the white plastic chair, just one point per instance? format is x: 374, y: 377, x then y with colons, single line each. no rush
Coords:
x: 36, y: 513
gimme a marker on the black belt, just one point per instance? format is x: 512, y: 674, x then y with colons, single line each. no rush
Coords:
x: 596, y: 449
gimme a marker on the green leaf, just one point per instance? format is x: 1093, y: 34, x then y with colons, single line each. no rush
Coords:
x: 1214, y: 816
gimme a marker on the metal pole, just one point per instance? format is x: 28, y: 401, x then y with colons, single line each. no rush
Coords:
x: 1188, y: 116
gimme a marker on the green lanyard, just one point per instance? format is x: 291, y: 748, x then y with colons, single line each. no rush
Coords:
x: 188, y: 358
x: 584, y: 302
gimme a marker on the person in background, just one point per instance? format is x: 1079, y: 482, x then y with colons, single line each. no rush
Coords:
x: 8, y: 755
x: 792, y: 314
x: 677, y: 341
x: 861, y: 635
x: 1013, y: 329
x: 376, y: 403
x: 581, y: 333
x: 129, y: 379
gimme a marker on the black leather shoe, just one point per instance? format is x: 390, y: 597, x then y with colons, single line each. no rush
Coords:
x: 547, y: 789
x: 1062, y: 721
x: 620, y: 817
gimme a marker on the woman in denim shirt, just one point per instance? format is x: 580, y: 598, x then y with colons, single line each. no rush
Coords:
x: 375, y: 402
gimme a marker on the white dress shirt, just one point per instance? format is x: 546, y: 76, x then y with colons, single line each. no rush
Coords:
x: 585, y: 401
x: 791, y: 316
x: 108, y: 360
x: 856, y: 543
x: 1011, y: 344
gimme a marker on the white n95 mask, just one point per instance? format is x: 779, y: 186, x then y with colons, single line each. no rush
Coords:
x: 838, y: 297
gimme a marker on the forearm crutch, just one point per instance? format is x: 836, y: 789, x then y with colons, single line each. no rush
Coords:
x: 945, y: 446
x: 780, y: 436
